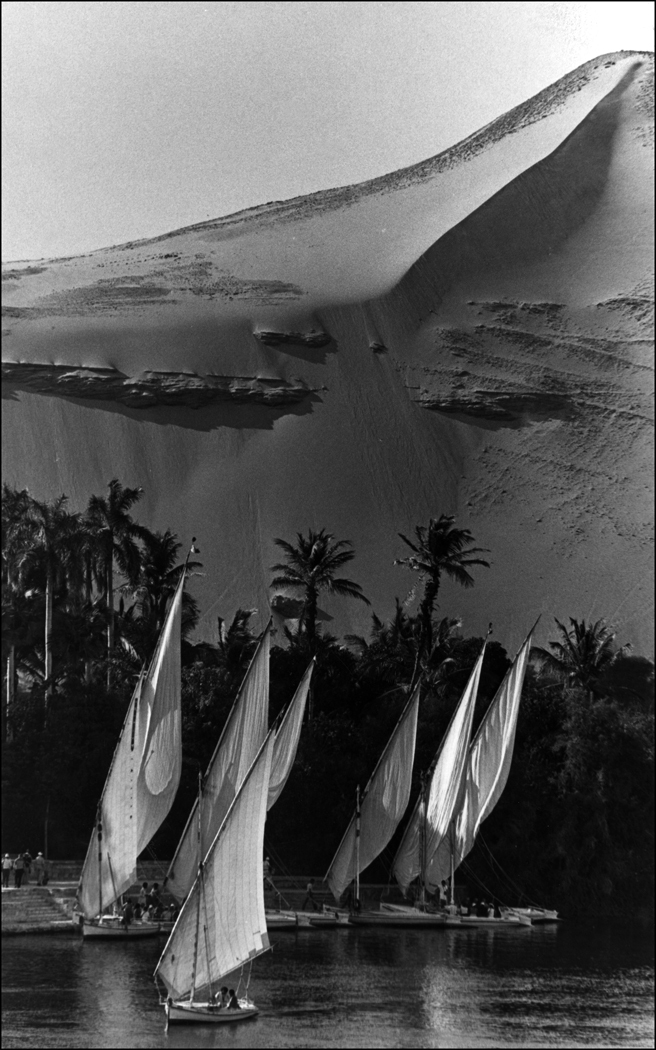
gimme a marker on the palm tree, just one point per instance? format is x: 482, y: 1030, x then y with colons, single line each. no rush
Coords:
x: 440, y: 549
x: 158, y: 578
x: 15, y: 504
x: 582, y: 654
x: 50, y: 538
x: 310, y: 568
x: 394, y: 649
x: 237, y: 642
x: 113, y: 537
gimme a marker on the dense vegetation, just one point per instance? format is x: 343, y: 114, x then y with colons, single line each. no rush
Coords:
x: 84, y: 595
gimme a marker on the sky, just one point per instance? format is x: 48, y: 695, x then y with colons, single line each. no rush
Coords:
x: 127, y: 120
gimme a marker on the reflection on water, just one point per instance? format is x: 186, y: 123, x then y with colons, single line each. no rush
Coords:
x: 571, y: 985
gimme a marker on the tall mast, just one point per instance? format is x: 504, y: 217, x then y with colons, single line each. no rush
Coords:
x: 423, y: 832
x: 99, y: 833
x: 453, y: 865
x: 200, y: 888
x: 357, y: 846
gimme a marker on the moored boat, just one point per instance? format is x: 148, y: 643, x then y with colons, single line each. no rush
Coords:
x: 400, y: 918
x: 482, y: 780
x: 534, y: 914
x: 140, y: 788
x: 503, y: 920
x: 112, y: 927
x: 441, y: 793
x: 379, y: 809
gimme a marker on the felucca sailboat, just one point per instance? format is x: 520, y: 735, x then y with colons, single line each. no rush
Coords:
x: 242, y: 737
x: 140, y: 786
x: 380, y: 808
x: 432, y: 815
x: 474, y: 787
x: 221, y: 925
x: 240, y: 740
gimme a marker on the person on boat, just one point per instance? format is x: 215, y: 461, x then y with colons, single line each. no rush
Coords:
x: 268, y: 875
x: 224, y: 997
x: 127, y: 912
x: 7, y: 865
x: 352, y: 903
x: 19, y: 868
x: 490, y: 911
x: 142, y: 899
x: 155, y: 902
x: 443, y: 893
x: 233, y: 1003
x: 309, y: 896
x: 481, y: 910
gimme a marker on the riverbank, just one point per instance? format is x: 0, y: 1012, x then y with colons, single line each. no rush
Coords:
x: 36, y: 909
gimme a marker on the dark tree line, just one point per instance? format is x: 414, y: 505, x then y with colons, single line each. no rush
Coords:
x: 85, y: 594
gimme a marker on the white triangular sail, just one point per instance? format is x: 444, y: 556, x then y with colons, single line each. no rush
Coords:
x: 143, y: 777
x: 488, y: 766
x: 287, y: 737
x: 383, y: 803
x: 233, y: 756
x: 430, y: 821
x: 222, y: 923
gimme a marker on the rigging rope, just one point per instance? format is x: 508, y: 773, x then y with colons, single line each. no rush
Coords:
x: 472, y: 875
x: 511, y: 881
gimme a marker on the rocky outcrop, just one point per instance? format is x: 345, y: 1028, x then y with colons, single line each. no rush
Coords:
x: 313, y: 338
x: 152, y: 388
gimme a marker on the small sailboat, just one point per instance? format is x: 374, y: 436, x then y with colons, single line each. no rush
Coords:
x: 482, y: 780
x: 240, y: 741
x: 378, y: 810
x: 221, y: 926
x: 140, y: 787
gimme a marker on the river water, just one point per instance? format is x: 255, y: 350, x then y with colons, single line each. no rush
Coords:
x: 567, y: 985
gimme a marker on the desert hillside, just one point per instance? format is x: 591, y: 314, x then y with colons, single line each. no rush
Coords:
x: 471, y: 335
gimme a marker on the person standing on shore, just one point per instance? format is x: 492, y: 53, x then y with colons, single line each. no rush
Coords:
x: 27, y: 861
x: 19, y: 868
x: 39, y: 869
x: 7, y: 865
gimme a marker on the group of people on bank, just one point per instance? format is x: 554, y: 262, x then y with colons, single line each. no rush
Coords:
x: 22, y: 866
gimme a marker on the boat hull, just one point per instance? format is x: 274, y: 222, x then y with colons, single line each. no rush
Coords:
x: 536, y: 915
x: 115, y: 931
x: 306, y: 920
x: 203, y: 1013
x: 401, y: 919
x: 276, y: 920
x: 505, y: 921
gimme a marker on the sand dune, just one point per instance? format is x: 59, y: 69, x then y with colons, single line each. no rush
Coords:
x: 469, y: 335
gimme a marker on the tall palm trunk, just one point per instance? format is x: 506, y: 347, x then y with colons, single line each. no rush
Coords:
x: 88, y: 594
x: 310, y: 614
x: 48, y: 637
x: 431, y: 589
x: 110, y: 620
x: 11, y: 690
